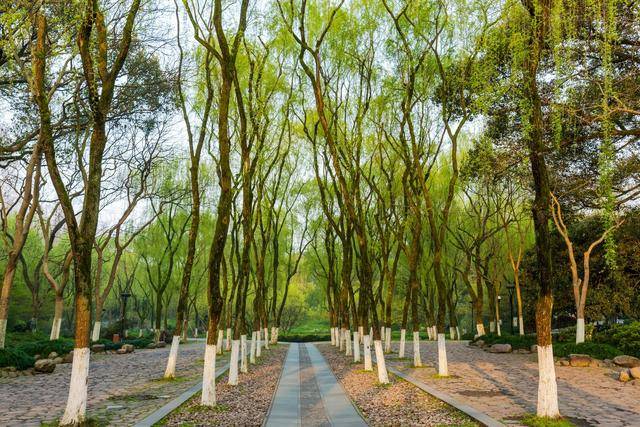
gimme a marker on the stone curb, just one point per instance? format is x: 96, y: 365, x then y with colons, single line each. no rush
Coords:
x: 171, y: 406
x: 481, y: 417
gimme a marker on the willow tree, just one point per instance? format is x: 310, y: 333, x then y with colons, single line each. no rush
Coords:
x: 196, y: 139
x: 225, y: 53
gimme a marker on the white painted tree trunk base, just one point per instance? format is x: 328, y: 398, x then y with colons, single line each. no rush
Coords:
x: 332, y: 330
x: 492, y: 326
x: 170, y: 371
x: 356, y: 347
x: 387, y: 341
x: 368, y: 365
x: 383, y: 376
x: 233, y: 362
x: 341, y: 339
x: 95, y: 336
x: 403, y: 337
x: 76, y: 409
x: 252, y: 350
x: 520, y: 326
x: 417, y: 361
x: 452, y: 332
x: 383, y: 334
x: 274, y: 335
x: 547, y: 386
x: 579, y: 331
x: 3, y: 332
x: 258, y: 343
x: 228, y: 344
x: 347, y: 342
x: 458, y: 333
x: 55, y: 328
x: 244, y: 366
x: 266, y: 338
x: 209, y: 377
x: 479, y: 330
x: 443, y: 368
x: 220, y: 340
x: 361, y: 334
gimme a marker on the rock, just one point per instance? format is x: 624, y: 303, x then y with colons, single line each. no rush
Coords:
x: 57, y: 360
x: 500, y: 348
x: 45, y: 366
x: 626, y: 361
x: 152, y: 345
x: 534, y: 348
x: 565, y: 362
x: 121, y: 350
x: 161, y: 344
x: 52, y: 355
x: 97, y: 348
x: 521, y: 351
x: 624, y: 376
x: 68, y: 358
x: 37, y: 357
x: 635, y: 372
x: 580, y: 360
x: 128, y: 348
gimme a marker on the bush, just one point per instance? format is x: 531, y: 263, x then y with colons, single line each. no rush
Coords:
x: 304, y: 337
x: 15, y: 339
x: 516, y: 341
x: 568, y: 334
x: 625, y: 338
x: 137, y: 343
x: 595, y: 350
x: 15, y: 357
x: 43, y: 348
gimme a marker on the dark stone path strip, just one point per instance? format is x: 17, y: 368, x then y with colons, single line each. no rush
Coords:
x: 285, y: 410
x: 339, y: 409
x: 312, y: 410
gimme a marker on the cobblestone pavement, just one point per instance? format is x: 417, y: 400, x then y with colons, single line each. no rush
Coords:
x: 504, y: 386
x: 122, y: 388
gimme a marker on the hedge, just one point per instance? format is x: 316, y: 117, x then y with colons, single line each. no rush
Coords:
x: 43, y: 348
x: 595, y: 350
x: 17, y: 358
x: 304, y: 337
x: 626, y: 338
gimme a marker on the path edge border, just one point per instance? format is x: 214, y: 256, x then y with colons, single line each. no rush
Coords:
x: 472, y: 412
x: 273, y: 398
x: 174, y: 404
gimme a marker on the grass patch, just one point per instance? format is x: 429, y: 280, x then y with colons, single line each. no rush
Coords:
x: 135, y: 397
x: 170, y: 380
x: 535, y: 421
x: 89, y: 422
x: 198, y: 409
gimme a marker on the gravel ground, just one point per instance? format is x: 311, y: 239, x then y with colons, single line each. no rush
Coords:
x: 246, y: 404
x: 398, y: 403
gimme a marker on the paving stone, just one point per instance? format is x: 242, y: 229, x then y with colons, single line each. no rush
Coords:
x: 512, y: 380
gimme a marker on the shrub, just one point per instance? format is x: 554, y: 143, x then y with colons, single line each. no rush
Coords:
x: 15, y: 357
x: 43, y: 348
x: 304, y: 337
x: 15, y: 339
x: 516, y: 341
x: 595, y: 350
x: 626, y: 338
x: 568, y: 334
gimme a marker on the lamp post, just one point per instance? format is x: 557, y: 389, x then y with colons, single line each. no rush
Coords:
x: 510, y: 288
x: 125, y: 296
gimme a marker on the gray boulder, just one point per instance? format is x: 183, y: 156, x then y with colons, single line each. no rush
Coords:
x: 45, y: 366
x: 580, y: 360
x: 500, y: 348
x: 68, y: 358
x: 52, y: 355
x: 128, y: 348
x: 97, y: 348
x: 626, y: 361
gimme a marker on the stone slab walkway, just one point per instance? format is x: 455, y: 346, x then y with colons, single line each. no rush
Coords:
x: 308, y: 393
x: 122, y: 388
x: 504, y: 386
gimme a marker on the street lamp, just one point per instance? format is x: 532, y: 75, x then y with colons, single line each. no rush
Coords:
x: 125, y: 296
x: 510, y: 288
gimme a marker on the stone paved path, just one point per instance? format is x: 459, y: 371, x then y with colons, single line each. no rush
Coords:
x: 504, y: 386
x: 309, y: 394
x: 122, y: 388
